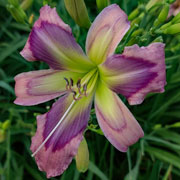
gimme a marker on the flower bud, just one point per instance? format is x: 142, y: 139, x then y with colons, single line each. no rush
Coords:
x: 26, y: 4
x: 101, y: 4
x: 133, y: 14
x: 133, y: 40
x: 157, y: 126
x: 135, y: 21
x: 31, y: 20
x: 2, y: 135
x: 78, y: 11
x: 166, y: 25
x: 151, y: 3
x: 163, y: 15
x: 174, y: 29
x: 6, y: 125
x: 17, y: 13
x: 137, y: 32
x: 82, y: 156
x: 175, y: 125
x: 158, y: 39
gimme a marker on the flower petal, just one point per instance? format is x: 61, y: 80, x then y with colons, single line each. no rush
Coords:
x: 116, y: 121
x: 40, y: 86
x: 51, y: 41
x: 137, y: 72
x: 105, y: 33
x: 55, y: 156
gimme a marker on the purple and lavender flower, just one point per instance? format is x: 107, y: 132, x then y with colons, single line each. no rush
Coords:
x: 79, y: 78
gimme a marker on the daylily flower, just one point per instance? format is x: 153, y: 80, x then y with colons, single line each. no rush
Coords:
x: 78, y: 78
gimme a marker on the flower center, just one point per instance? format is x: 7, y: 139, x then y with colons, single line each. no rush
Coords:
x: 83, y: 86
x: 81, y: 90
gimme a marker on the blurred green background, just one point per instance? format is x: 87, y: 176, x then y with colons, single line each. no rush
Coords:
x: 156, y: 156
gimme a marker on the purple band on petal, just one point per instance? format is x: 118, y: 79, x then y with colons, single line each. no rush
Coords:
x: 46, y: 15
x: 31, y: 87
x: 153, y: 53
x: 53, y: 163
x: 121, y: 138
x: 137, y: 72
x: 69, y: 128
x: 116, y: 121
x: 40, y: 49
x: 51, y: 41
x: 39, y: 86
x: 57, y: 153
x: 53, y: 45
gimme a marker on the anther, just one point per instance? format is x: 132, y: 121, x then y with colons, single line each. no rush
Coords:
x: 74, y: 96
x: 77, y: 95
x: 79, y: 86
x: 79, y: 83
x: 67, y: 83
x: 74, y: 93
x: 85, y: 89
x: 71, y: 83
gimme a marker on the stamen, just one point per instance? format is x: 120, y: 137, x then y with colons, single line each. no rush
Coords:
x: 67, y: 83
x: 57, y: 125
x: 74, y: 96
x: 79, y: 83
x: 71, y: 83
x: 85, y: 89
x: 79, y: 86
x: 74, y: 93
x: 81, y: 91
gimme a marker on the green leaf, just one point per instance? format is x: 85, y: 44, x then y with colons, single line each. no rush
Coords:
x: 175, y: 77
x: 6, y: 86
x: 11, y: 48
x: 155, y: 171
x: 163, y: 142
x: 97, y: 171
x: 164, y: 106
x: 168, y: 135
x: 164, y: 156
x: 133, y: 174
x: 168, y: 172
